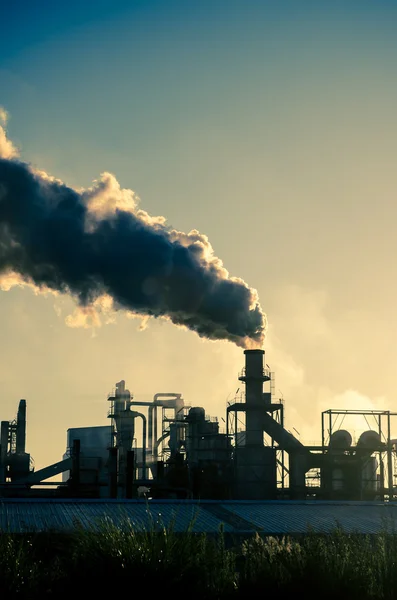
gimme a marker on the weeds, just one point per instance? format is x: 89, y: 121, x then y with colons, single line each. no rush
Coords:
x: 112, y: 555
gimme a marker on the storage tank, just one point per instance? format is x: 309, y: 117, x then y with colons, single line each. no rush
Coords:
x: 340, y: 440
x: 369, y: 442
x: 337, y: 480
x: 369, y: 476
x: 196, y: 413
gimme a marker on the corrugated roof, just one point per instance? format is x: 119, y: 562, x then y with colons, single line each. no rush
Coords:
x: 299, y: 517
x: 276, y: 518
x: 24, y: 515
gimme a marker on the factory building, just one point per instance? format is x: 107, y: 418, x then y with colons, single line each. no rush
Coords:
x: 166, y: 451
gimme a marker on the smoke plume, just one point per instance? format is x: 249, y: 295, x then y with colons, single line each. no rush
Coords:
x: 97, y: 244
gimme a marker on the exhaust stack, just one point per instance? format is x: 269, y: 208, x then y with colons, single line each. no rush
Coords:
x: 20, y: 437
x: 254, y: 376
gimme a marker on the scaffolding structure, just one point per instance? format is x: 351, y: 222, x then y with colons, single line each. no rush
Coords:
x: 378, y: 421
x: 236, y: 427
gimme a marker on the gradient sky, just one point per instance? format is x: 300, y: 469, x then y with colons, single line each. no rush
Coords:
x: 268, y: 126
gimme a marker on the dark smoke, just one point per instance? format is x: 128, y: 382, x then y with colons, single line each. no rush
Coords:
x: 56, y: 237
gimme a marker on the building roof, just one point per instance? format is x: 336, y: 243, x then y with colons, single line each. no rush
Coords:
x: 242, y: 517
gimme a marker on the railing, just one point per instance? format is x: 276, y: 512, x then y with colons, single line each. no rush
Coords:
x: 265, y: 373
x: 211, y: 419
x: 308, y: 443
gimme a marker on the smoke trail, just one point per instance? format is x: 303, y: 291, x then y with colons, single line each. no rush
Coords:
x: 96, y: 243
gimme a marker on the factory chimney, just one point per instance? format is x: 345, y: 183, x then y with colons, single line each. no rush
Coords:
x: 254, y: 376
x: 20, y: 437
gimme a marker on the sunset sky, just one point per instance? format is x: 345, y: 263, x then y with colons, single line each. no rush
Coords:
x: 269, y: 127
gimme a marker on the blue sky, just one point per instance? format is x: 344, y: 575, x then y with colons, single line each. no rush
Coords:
x: 268, y: 126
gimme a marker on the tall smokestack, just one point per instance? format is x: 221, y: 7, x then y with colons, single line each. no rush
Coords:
x: 254, y: 377
x: 20, y: 438
x: 96, y: 244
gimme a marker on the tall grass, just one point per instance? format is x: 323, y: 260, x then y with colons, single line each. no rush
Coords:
x: 109, y: 558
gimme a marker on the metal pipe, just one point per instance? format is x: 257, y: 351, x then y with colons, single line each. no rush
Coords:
x: 4, y: 434
x: 143, y: 445
x: 160, y: 471
x: 330, y: 427
x: 138, y: 414
x: 161, y: 439
x: 171, y: 400
x: 381, y: 465
x: 150, y: 422
x: 389, y: 461
x: 130, y: 474
x: 322, y: 432
x: 68, y: 464
x: 113, y: 472
x: 155, y: 432
x: 284, y: 438
x: 75, y: 479
x: 282, y: 451
x: 150, y: 412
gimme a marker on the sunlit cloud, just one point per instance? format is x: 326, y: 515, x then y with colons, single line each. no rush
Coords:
x: 98, y: 243
x: 7, y: 148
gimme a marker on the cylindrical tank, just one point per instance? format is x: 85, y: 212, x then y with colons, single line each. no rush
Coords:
x: 338, y: 480
x: 369, y: 441
x: 340, y: 440
x: 369, y: 478
x: 197, y: 422
x: 197, y: 413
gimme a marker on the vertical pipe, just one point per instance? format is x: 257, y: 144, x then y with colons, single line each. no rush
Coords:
x: 389, y: 460
x: 297, y: 475
x: 236, y: 455
x: 171, y: 400
x: 160, y: 471
x: 150, y: 432
x: 282, y: 453
x: 76, y: 465
x: 155, y: 433
x: 4, y: 434
x: 322, y: 432
x: 113, y: 472
x: 381, y: 465
x: 130, y: 473
x: 233, y: 448
x: 143, y: 445
x: 144, y: 475
x: 330, y: 426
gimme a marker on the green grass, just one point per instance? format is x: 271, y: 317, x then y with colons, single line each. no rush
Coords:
x: 106, y: 559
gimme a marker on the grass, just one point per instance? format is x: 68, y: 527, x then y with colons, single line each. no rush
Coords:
x: 107, y: 559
